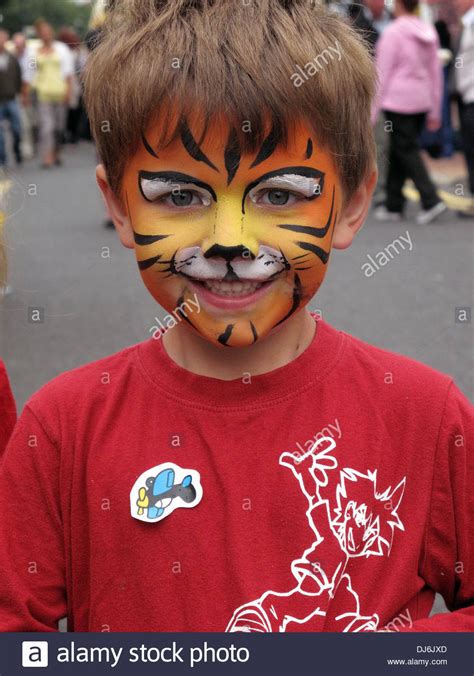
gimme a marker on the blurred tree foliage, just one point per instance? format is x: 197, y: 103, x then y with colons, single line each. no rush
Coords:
x: 16, y: 14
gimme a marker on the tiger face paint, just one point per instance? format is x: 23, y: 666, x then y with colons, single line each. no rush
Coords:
x: 248, y: 236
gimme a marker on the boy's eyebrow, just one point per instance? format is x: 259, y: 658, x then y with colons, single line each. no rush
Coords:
x: 173, y: 177
x: 308, y: 172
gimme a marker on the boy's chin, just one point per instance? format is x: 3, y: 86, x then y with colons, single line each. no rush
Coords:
x: 237, y: 334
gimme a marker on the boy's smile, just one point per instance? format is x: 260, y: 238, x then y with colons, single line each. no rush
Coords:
x: 249, y: 235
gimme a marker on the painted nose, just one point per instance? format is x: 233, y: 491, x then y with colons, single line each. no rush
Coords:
x: 229, y: 235
x: 228, y: 253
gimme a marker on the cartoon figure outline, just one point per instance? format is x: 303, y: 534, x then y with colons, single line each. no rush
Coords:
x: 358, y: 529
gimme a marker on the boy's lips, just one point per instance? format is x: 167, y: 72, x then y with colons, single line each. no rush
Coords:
x: 230, y: 295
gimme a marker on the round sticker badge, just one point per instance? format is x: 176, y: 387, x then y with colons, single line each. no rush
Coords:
x: 161, y: 489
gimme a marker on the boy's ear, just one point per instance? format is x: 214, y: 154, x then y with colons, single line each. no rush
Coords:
x: 353, y: 215
x: 115, y: 208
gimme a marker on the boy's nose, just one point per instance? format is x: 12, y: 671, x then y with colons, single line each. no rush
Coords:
x: 229, y: 252
x: 230, y: 237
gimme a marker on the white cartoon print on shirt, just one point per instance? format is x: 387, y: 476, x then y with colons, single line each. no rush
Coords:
x: 359, y: 523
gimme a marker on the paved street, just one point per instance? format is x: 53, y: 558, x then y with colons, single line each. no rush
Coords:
x: 63, y: 261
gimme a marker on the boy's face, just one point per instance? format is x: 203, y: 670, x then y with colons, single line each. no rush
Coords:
x: 247, y: 236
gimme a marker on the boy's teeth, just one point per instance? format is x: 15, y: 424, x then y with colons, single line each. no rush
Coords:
x: 232, y: 288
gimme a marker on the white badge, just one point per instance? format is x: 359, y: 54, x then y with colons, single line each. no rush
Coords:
x: 162, y: 489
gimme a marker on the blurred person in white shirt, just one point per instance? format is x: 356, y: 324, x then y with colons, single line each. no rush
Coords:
x: 21, y: 52
x: 50, y: 72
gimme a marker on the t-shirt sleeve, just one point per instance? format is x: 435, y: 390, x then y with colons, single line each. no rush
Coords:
x: 32, y: 580
x: 447, y: 563
x: 7, y: 410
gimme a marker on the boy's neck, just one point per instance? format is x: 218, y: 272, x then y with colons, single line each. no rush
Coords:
x: 282, y: 346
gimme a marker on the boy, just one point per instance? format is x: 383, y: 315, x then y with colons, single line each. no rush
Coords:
x: 169, y: 487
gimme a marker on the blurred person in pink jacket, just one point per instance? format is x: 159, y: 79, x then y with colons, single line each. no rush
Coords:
x: 409, y: 94
x: 464, y: 80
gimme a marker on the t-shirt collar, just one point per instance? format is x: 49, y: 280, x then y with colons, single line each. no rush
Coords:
x: 309, y: 368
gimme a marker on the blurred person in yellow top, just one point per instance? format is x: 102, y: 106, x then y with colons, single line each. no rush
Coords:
x: 51, y: 76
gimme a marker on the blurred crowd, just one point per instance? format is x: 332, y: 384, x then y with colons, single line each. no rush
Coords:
x: 425, y: 97
x: 41, y: 93
x: 425, y: 67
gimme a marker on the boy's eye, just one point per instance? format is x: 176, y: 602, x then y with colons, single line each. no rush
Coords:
x: 184, y: 198
x: 276, y: 197
x: 173, y: 194
x: 287, y: 189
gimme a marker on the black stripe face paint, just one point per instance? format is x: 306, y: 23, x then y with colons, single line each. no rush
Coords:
x: 297, y: 296
x: 224, y: 337
x: 144, y: 265
x: 308, y: 230
x: 232, y: 156
x: 182, y: 314
x: 254, y: 332
x: 192, y: 147
x: 144, y: 240
x: 268, y: 147
x: 320, y: 253
x: 148, y: 147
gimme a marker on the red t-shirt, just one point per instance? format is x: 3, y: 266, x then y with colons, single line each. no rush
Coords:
x: 351, y: 534
x: 7, y: 409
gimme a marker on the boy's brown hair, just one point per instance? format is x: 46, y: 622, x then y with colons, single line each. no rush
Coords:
x: 240, y: 57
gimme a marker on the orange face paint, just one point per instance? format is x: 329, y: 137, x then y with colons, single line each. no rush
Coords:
x: 246, y: 237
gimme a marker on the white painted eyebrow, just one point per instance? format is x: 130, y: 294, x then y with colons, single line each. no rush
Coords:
x: 153, y: 188
x: 307, y: 185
